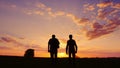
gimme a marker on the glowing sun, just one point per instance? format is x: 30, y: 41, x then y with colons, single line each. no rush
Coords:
x: 60, y: 55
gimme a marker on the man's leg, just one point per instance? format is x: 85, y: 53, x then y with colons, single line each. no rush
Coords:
x: 55, y: 55
x: 73, y: 55
x: 73, y: 59
x: 51, y: 56
x: 69, y: 57
x: 56, y: 60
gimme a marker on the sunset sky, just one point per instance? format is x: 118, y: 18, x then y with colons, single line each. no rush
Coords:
x: 94, y: 24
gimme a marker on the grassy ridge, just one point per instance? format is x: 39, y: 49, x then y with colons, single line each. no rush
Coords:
x: 39, y: 62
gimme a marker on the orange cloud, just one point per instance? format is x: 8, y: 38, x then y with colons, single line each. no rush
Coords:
x: 104, y: 4
x: 73, y: 17
x: 78, y: 20
x: 89, y: 7
x: 117, y: 6
x: 38, y: 12
x: 60, y: 13
x: 55, y: 14
x: 83, y: 20
x: 41, y: 9
x: 48, y: 9
x: 40, y: 5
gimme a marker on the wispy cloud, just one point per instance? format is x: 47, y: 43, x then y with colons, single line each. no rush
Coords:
x: 100, y: 30
x: 105, y: 12
x: 77, y: 20
x: 40, y: 5
x: 8, y: 6
x: 37, y: 12
x: 18, y: 43
x: 5, y: 48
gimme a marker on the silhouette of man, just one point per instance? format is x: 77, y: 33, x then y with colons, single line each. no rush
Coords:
x: 71, y: 47
x: 53, y: 45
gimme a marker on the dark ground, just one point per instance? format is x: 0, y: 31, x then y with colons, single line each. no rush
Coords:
x: 38, y: 62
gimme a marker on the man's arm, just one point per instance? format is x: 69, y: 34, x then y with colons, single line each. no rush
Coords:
x: 49, y: 46
x: 76, y: 48
x: 67, y: 48
x: 58, y: 43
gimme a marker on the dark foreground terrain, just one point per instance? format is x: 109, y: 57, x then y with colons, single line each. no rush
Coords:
x: 37, y: 62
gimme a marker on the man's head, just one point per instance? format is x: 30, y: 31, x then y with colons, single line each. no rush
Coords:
x: 70, y: 36
x: 53, y: 36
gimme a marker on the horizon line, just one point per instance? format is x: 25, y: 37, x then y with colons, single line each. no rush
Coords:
x: 58, y: 57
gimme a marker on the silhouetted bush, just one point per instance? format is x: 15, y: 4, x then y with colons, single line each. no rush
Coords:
x: 29, y: 53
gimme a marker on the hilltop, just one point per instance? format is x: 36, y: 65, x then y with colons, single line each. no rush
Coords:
x: 38, y: 62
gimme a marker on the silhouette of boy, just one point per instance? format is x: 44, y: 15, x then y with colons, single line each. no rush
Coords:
x: 71, y: 47
x: 53, y: 45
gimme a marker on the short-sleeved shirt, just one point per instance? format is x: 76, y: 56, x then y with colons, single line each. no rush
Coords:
x: 54, y: 44
x: 71, y: 45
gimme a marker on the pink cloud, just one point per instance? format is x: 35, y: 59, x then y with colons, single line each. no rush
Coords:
x: 96, y: 34
x: 7, y: 39
x: 14, y: 42
x: 100, y: 30
x: 5, y: 48
x: 103, y: 13
x: 97, y: 26
x: 8, y: 6
x: 106, y: 20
